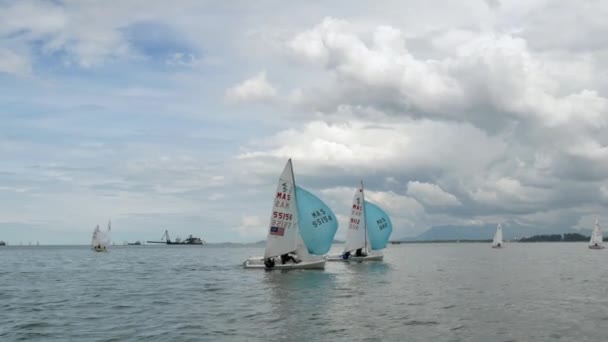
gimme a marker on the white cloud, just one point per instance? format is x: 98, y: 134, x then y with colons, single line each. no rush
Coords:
x: 256, y: 88
x: 495, y: 72
x: 431, y: 194
x: 14, y: 63
x: 361, y: 146
x: 87, y: 32
x: 251, y: 228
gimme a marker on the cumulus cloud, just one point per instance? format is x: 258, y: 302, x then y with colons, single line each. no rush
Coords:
x: 256, y: 88
x: 82, y: 31
x: 491, y: 73
x: 361, y: 146
x: 431, y: 194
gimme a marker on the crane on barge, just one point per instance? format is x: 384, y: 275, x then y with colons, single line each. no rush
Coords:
x: 189, y: 241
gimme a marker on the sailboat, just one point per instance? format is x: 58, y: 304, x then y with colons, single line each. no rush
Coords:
x: 368, y: 231
x: 301, y: 230
x: 101, y: 240
x: 596, y: 241
x: 497, y: 241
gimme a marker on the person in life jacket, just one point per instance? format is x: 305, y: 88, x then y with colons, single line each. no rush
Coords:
x: 288, y: 257
x: 269, y: 262
x: 360, y: 253
x: 346, y: 255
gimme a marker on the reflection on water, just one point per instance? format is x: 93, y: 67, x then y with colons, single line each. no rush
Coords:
x: 299, y: 300
x: 438, y: 292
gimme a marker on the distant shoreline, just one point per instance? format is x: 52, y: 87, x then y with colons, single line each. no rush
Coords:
x: 532, y: 239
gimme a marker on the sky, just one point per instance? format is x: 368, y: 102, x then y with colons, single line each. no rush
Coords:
x: 181, y: 115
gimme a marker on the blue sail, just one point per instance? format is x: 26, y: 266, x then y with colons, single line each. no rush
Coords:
x: 379, y: 226
x: 318, y: 224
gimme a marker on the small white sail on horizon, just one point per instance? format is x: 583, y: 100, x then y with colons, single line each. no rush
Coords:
x: 101, y: 240
x: 596, y: 241
x: 497, y: 242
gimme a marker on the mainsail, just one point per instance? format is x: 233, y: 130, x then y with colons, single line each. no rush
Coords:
x: 596, y: 235
x: 378, y: 224
x: 106, y: 236
x: 101, y: 238
x: 316, y: 222
x: 283, y: 230
x: 356, y: 236
x: 96, y: 237
x: 497, y: 236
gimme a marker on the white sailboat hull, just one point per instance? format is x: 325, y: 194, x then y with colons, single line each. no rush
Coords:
x: 596, y: 247
x: 100, y: 249
x: 338, y: 257
x: 258, y: 263
x: 497, y: 246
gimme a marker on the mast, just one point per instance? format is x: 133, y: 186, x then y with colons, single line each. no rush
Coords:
x: 295, y: 201
x: 363, y: 207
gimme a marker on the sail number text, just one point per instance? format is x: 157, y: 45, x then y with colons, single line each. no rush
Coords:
x: 320, y: 217
x: 382, y: 223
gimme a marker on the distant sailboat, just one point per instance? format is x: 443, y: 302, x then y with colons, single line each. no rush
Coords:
x: 368, y: 231
x: 596, y: 241
x: 497, y: 242
x: 301, y: 229
x: 101, y: 240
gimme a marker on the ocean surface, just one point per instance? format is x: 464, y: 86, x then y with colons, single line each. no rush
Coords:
x: 421, y: 292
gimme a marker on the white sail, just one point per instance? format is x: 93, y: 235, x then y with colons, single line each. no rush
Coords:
x: 498, y: 237
x: 101, y: 238
x: 283, y: 231
x: 106, y: 236
x: 96, y: 236
x: 596, y: 235
x: 356, y: 236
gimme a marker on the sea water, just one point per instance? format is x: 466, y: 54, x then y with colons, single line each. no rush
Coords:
x: 421, y: 292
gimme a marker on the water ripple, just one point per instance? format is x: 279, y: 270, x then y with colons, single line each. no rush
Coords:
x: 459, y: 292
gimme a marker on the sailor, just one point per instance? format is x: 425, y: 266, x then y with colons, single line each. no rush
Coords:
x: 269, y: 262
x: 360, y: 253
x: 287, y: 257
x: 346, y: 255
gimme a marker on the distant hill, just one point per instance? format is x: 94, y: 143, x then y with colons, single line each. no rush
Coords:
x: 486, y: 232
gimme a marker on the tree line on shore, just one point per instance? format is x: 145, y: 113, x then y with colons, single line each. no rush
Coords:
x: 567, y: 237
